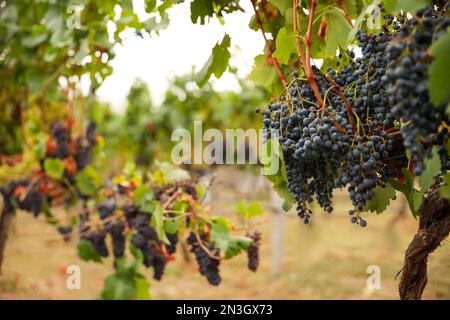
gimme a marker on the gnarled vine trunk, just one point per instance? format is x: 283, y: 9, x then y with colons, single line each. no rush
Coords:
x: 434, y: 226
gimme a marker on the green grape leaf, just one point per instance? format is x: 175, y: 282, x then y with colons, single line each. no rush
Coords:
x: 82, y: 51
x: 220, y: 233
x: 171, y: 172
x: 116, y: 288
x: 37, y: 36
x: 201, y: 190
x: 158, y: 223
x: 126, y: 283
x: 439, y: 86
x: 137, y: 253
x: 272, y: 157
x: 236, y: 245
x: 172, y: 226
x: 41, y: 145
x: 142, y: 287
x: 351, y: 7
x: 88, y: 181
x: 54, y: 19
x: 445, y: 189
x: 395, y: 6
x: 286, y: 46
x: 381, y: 199
x: 217, y: 62
x: 337, y: 31
x: 241, y: 208
x: 87, y: 252
x: 150, y: 5
x: 119, y: 288
x: 254, y: 209
x: 432, y: 169
x: 249, y: 210
x: 54, y: 168
x: 262, y: 73
x: 143, y: 197
x: 282, y: 5
x: 201, y: 9
x: 413, y: 196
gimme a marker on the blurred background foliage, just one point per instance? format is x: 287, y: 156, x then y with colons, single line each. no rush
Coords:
x: 143, y: 132
x: 48, y: 48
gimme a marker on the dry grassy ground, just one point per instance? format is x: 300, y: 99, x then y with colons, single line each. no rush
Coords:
x: 326, y: 260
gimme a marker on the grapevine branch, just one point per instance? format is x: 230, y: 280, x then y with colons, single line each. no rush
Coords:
x: 434, y: 227
x: 297, y: 39
x: 307, y: 62
x: 204, y: 248
x: 347, y: 14
x: 273, y: 60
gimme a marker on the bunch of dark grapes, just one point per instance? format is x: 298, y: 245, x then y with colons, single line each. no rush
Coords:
x: 253, y: 251
x: 375, y: 107
x: 98, y: 240
x: 208, y: 266
x: 28, y: 199
x: 116, y: 230
x: 65, y: 232
x: 406, y: 80
x: 314, y: 138
x: 159, y: 264
x: 146, y: 239
x: 106, y: 208
x: 84, y: 147
x: 377, y: 153
x: 61, y: 134
x: 173, y: 241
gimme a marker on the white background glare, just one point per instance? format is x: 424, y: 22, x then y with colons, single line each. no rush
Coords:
x: 178, y: 49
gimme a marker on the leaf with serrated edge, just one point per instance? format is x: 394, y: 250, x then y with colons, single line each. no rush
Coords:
x: 432, y: 169
x: 381, y: 199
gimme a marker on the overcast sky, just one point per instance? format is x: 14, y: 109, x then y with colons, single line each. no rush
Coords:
x: 178, y: 48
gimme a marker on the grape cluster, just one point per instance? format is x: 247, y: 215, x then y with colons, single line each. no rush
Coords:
x: 375, y: 107
x: 253, y: 251
x: 146, y: 239
x: 25, y: 196
x: 61, y: 135
x: 208, y: 265
x: 118, y: 218
x: 116, y: 230
x: 173, y: 241
x: 98, y: 240
x: 406, y: 80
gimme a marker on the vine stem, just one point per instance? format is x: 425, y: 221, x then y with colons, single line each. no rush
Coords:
x: 347, y: 14
x: 297, y: 39
x: 307, y: 61
x: 171, y: 199
x: 348, y: 107
x: 204, y: 248
x: 272, y: 60
x: 28, y: 188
